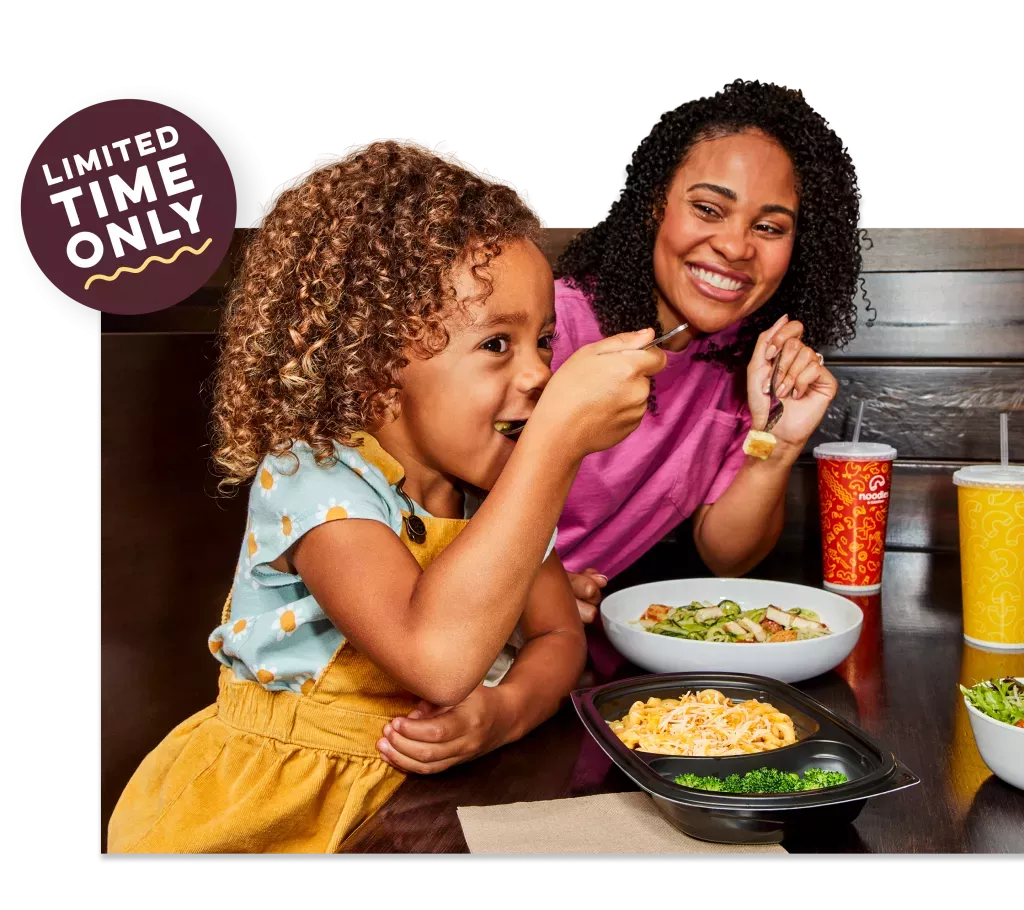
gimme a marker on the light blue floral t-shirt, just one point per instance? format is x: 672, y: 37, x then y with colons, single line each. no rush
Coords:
x: 277, y: 634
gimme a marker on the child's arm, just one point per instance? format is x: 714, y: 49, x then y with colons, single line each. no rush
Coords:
x: 550, y: 662
x: 431, y: 739
x: 438, y: 631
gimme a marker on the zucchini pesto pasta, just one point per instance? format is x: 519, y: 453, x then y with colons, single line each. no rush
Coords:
x: 727, y: 622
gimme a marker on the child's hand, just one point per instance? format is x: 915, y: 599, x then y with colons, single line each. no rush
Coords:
x: 803, y: 384
x: 431, y: 739
x: 587, y: 588
x: 599, y: 395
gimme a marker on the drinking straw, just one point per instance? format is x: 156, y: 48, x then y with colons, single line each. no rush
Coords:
x: 860, y: 418
x: 1004, y: 438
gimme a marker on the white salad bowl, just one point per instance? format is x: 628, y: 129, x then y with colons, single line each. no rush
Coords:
x: 789, y: 661
x: 1001, y: 745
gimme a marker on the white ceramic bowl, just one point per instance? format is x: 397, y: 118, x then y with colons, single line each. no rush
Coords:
x: 789, y: 661
x: 1001, y: 745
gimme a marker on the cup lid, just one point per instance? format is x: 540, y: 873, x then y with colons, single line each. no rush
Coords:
x: 855, y: 451
x: 990, y: 475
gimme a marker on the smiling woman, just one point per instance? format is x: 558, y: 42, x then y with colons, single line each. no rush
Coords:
x: 739, y: 220
x: 731, y: 234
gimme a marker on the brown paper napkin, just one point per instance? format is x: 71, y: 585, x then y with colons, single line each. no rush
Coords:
x: 606, y: 823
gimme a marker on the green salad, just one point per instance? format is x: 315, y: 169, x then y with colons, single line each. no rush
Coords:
x: 1000, y: 699
x: 765, y: 780
x: 726, y: 622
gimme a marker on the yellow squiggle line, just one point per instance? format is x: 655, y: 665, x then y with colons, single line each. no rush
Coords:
x: 125, y: 268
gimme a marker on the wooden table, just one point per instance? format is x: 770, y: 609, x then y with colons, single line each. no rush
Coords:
x: 900, y: 684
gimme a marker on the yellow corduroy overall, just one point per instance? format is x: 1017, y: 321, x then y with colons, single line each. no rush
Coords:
x: 275, y: 772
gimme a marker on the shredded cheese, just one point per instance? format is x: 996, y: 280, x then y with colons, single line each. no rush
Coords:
x: 704, y: 724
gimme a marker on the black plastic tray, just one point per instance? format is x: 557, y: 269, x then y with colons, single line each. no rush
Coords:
x: 824, y: 740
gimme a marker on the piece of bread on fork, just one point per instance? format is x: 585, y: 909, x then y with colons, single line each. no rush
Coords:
x: 759, y: 444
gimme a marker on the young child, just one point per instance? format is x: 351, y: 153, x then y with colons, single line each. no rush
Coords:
x: 384, y: 353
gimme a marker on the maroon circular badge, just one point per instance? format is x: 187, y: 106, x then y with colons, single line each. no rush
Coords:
x: 128, y: 206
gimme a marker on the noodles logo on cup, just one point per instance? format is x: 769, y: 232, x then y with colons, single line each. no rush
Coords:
x: 128, y: 206
x: 853, y: 492
x: 876, y: 489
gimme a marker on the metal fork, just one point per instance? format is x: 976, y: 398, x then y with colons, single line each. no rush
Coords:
x: 666, y: 336
x: 774, y: 405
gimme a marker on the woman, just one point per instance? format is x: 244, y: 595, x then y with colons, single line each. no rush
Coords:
x: 739, y: 220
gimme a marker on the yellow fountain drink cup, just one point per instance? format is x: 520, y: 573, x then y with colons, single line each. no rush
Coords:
x: 991, y: 506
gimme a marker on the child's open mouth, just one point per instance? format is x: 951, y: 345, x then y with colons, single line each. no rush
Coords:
x: 510, y: 429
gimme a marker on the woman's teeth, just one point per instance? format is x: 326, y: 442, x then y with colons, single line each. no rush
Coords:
x: 716, y: 280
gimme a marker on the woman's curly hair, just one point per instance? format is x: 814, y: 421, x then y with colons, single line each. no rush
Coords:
x: 613, y: 262
x: 348, y: 274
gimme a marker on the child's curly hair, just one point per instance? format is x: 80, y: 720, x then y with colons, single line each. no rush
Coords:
x: 349, y: 273
x: 612, y: 262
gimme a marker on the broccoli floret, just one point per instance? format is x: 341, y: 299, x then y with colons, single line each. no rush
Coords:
x: 693, y: 781
x: 713, y: 783
x: 769, y: 780
x: 816, y: 778
x: 696, y: 782
x: 764, y: 780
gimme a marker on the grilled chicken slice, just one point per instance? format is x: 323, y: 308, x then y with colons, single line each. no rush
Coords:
x: 656, y: 613
x: 783, y: 618
x: 708, y: 613
x: 753, y: 628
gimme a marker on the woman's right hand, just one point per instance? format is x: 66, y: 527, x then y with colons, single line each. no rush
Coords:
x: 586, y: 586
x: 599, y: 395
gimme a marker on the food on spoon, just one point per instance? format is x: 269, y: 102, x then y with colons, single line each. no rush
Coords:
x: 509, y: 428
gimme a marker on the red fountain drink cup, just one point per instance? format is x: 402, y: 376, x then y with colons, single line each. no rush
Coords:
x: 853, y: 492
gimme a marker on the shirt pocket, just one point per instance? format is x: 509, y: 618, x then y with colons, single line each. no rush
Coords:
x: 700, y: 456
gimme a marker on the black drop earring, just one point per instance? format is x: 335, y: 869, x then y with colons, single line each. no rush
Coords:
x: 414, y: 526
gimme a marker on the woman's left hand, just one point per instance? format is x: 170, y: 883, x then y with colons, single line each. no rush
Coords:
x: 803, y: 384
x: 430, y: 739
